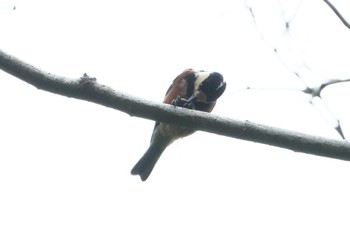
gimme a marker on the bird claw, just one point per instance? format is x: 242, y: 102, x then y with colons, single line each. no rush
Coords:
x: 181, y: 102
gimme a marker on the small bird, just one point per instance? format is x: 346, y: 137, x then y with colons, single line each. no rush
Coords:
x: 192, y: 89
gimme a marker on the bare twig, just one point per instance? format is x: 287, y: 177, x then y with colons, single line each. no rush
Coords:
x: 89, y: 89
x: 337, y: 13
x: 316, y: 91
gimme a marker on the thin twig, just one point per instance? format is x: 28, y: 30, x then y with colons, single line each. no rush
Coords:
x: 335, y: 10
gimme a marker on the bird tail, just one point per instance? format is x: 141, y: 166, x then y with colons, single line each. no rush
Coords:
x: 146, y: 164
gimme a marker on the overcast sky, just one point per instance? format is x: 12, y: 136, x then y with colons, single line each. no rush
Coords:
x: 65, y: 164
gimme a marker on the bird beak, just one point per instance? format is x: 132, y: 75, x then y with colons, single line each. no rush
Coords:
x: 220, y: 89
x: 222, y: 85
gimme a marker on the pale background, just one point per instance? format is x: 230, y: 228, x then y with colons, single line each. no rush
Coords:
x: 65, y: 164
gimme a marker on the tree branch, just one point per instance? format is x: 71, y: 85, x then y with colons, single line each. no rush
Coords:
x: 87, y: 88
x: 337, y: 13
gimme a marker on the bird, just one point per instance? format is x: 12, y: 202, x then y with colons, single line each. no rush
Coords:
x: 192, y: 89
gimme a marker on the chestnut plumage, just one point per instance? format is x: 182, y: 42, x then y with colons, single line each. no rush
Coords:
x: 192, y: 89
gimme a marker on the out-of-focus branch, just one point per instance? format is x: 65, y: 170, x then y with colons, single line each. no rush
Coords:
x: 316, y: 91
x: 87, y: 88
x: 337, y: 13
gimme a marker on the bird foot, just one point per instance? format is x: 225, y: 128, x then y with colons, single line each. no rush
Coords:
x: 181, y: 102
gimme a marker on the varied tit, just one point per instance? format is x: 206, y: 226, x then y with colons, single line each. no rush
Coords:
x: 192, y: 89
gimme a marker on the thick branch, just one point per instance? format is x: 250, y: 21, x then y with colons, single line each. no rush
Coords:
x: 87, y: 88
